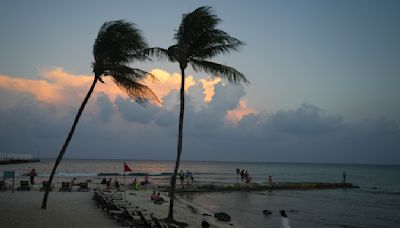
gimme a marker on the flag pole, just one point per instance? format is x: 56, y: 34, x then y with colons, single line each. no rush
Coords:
x: 124, y: 188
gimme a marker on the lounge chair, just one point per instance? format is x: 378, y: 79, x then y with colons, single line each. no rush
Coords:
x: 44, y: 186
x: 2, y: 185
x: 24, y: 186
x: 83, y: 187
x: 65, y: 187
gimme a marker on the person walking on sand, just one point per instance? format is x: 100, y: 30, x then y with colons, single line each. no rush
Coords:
x: 32, y: 175
x: 284, y: 220
x: 242, y: 174
x: 182, y: 177
x: 189, y: 177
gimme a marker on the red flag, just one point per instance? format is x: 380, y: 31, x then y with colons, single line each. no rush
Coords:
x: 127, y: 168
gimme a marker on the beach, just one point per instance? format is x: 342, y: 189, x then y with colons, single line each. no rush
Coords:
x: 77, y: 209
x: 378, y: 194
x: 65, y: 209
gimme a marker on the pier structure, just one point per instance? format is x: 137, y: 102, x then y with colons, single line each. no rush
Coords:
x: 12, y: 158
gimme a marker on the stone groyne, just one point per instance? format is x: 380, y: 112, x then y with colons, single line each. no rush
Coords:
x: 198, y: 188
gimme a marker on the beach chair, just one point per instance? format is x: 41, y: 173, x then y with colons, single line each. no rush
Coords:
x: 24, y: 186
x: 44, y: 186
x: 2, y: 185
x: 65, y: 187
x: 83, y: 187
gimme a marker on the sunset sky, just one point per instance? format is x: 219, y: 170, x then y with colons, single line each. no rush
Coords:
x: 325, y: 83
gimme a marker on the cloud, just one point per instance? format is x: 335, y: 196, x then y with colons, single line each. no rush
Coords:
x: 42, y: 90
x: 106, y: 109
x: 59, y: 87
x: 208, y: 87
x: 115, y: 127
x: 168, y: 82
x: 235, y: 115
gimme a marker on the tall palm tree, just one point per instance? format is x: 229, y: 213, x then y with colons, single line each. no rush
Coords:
x: 117, y: 43
x: 198, y: 40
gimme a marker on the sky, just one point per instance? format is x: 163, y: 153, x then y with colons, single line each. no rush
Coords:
x: 325, y: 79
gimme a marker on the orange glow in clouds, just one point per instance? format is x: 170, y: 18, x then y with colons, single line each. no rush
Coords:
x: 235, y: 115
x: 208, y: 88
x: 58, y: 86
x: 168, y: 82
x: 62, y: 88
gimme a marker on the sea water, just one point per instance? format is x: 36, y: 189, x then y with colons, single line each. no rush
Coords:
x: 375, y: 204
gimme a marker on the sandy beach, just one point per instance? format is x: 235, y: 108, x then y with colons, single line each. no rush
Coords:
x: 77, y: 209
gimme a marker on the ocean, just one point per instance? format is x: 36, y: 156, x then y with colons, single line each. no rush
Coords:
x: 375, y: 204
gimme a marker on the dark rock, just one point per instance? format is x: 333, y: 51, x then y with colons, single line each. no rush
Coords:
x: 204, y: 214
x: 222, y: 216
x: 267, y: 212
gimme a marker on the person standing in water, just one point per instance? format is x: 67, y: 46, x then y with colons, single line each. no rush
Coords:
x: 344, y: 177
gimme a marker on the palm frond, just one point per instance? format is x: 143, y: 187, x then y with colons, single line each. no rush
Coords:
x: 219, y: 70
x: 195, y: 23
x: 155, y: 52
x: 213, y: 43
x: 135, y: 90
x: 117, y: 42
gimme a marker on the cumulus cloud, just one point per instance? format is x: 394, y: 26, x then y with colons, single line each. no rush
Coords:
x: 59, y: 87
x: 222, y: 128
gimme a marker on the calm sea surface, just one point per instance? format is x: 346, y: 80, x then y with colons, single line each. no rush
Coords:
x: 375, y: 204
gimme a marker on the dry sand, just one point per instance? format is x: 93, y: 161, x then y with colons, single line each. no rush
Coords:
x: 77, y: 209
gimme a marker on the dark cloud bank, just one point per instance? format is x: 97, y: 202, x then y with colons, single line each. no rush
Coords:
x: 127, y: 130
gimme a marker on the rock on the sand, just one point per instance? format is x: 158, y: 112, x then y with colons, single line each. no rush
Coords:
x: 222, y: 216
x: 267, y: 212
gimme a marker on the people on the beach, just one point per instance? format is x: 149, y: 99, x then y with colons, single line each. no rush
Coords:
x: 108, y: 184
x: 116, y: 183
x: 242, y: 175
x: 32, y: 175
x: 136, y: 184
x: 247, y: 177
x: 182, y: 177
x: 284, y: 219
x: 74, y: 185
x: 237, y: 175
x: 158, y: 199
x: 189, y: 177
x: 270, y: 180
x: 104, y: 181
x: 344, y: 177
x: 153, y: 195
x: 145, y: 181
x: 73, y: 182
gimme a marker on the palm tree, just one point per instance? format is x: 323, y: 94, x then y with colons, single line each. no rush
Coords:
x: 197, y: 40
x: 117, y: 43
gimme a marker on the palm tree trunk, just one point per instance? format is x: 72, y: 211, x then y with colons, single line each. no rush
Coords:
x: 179, y: 150
x: 66, y: 143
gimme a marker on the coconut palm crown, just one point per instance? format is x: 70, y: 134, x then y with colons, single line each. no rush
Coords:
x: 197, y: 40
x: 117, y: 44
